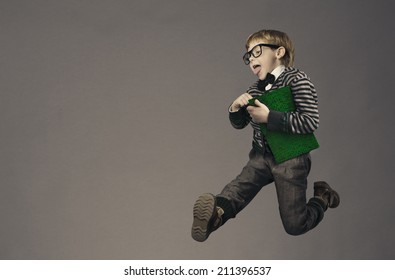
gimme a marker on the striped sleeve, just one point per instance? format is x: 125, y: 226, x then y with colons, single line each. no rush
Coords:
x: 306, y: 118
x: 239, y: 119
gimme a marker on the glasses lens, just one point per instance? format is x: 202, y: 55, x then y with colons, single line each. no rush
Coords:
x: 257, y: 51
x: 246, y: 58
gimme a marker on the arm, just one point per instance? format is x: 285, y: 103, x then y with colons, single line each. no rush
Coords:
x: 305, y: 119
x: 239, y: 119
x: 238, y: 115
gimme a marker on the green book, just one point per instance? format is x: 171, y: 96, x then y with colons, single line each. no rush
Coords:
x: 284, y: 146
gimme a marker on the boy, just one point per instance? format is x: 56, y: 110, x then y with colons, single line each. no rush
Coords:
x: 270, y: 55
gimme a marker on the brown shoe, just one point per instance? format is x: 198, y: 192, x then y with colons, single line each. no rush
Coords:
x: 323, y: 191
x: 206, y: 217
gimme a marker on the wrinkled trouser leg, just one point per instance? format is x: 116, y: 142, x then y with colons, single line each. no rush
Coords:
x: 238, y: 193
x: 290, y: 179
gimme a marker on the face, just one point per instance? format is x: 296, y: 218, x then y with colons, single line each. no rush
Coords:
x: 266, y: 62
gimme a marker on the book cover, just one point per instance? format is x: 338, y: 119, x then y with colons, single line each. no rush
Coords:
x: 284, y: 146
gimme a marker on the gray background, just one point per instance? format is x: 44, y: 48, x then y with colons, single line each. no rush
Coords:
x: 113, y: 118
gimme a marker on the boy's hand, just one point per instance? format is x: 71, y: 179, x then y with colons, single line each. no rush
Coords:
x: 259, y: 113
x: 240, y: 101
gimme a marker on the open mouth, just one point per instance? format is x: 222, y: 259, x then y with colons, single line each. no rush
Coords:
x: 256, y: 68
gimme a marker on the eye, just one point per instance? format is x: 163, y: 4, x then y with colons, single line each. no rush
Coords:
x: 256, y: 51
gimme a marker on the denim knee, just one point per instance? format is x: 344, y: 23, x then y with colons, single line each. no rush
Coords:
x: 297, y: 224
x: 294, y: 226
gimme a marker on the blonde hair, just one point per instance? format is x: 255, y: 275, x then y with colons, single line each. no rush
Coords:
x: 276, y: 38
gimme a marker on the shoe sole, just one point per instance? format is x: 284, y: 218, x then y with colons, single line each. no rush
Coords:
x: 203, y: 212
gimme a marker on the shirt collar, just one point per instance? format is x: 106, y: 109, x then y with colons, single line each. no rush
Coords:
x: 277, y: 71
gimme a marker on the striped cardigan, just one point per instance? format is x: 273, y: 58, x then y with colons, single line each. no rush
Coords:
x: 304, y: 120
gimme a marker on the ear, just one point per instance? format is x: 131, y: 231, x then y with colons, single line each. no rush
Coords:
x: 280, y: 52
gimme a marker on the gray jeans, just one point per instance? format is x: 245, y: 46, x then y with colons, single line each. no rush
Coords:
x: 290, y: 179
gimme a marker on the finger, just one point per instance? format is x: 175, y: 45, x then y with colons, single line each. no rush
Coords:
x: 245, y: 96
x: 239, y: 101
x: 244, y: 101
x: 258, y: 103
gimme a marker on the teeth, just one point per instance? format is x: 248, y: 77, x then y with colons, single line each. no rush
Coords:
x: 256, y: 66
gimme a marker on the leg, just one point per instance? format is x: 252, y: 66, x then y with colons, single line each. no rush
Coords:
x: 291, y: 183
x: 210, y: 212
x: 238, y: 193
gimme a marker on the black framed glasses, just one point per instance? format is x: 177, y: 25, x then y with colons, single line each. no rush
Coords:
x: 256, y: 51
